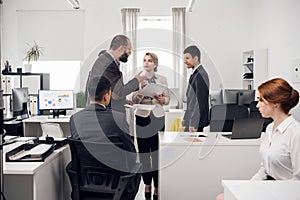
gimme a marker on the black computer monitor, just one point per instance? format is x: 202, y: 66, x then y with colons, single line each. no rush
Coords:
x: 231, y: 96
x: 20, y: 102
x: 239, y: 96
x: 245, y: 97
x: 216, y: 97
x: 56, y: 100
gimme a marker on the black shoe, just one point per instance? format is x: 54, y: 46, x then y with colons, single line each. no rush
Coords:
x: 148, y: 195
x: 155, y: 197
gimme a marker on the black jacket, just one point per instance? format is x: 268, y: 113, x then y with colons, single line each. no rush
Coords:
x: 197, y: 94
x: 106, y: 66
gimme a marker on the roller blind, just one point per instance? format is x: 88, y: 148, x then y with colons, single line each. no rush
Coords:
x: 60, y: 33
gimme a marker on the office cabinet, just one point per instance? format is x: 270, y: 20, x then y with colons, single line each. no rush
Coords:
x: 255, y: 68
x: 33, y: 81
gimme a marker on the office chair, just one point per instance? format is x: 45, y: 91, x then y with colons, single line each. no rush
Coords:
x: 222, y: 116
x: 91, y: 179
x: 254, y: 113
x: 51, y: 129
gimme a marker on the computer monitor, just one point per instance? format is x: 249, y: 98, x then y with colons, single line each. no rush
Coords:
x: 245, y: 97
x: 56, y: 100
x: 231, y: 96
x: 20, y: 102
x: 239, y: 96
x: 216, y: 97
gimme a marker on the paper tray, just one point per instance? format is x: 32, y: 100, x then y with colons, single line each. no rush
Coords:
x: 28, y: 158
x: 57, y: 143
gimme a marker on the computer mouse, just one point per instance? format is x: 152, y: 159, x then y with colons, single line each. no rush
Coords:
x: 202, y: 135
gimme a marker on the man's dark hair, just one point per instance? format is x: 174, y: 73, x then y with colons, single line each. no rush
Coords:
x: 117, y: 41
x: 194, y: 51
x: 98, y: 87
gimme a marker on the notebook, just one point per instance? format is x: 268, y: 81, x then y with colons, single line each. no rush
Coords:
x: 246, y: 128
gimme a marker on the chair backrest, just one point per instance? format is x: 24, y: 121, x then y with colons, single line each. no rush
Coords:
x: 92, y: 171
x: 52, y: 129
x: 222, y: 116
x: 254, y: 113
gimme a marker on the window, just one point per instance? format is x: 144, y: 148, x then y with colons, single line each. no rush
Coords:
x: 155, y: 35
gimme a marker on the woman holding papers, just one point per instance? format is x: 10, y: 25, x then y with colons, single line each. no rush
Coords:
x: 150, y: 121
x: 280, y: 145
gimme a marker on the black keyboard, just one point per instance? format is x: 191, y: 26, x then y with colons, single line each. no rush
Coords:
x: 9, y: 119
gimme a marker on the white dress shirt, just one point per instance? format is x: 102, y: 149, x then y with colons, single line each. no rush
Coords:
x: 280, y: 151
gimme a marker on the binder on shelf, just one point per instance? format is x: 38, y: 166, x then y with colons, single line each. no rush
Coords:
x: 3, y: 85
x: 33, y: 105
x: 8, y: 85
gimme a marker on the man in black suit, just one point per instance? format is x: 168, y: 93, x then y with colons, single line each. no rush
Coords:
x: 196, y: 116
x: 98, y: 123
x: 107, y: 65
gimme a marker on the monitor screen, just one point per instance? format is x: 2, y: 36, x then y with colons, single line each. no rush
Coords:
x: 231, y: 96
x: 239, y: 96
x: 56, y: 100
x: 245, y: 97
x: 216, y: 97
x: 20, y: 102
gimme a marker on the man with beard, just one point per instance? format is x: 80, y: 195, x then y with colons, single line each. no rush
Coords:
x: 107, y: 65
x: 196, y: 114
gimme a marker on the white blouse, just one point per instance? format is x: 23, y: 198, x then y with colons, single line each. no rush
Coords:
x: 280, y: 151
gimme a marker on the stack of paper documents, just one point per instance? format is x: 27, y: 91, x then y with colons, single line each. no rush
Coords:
x: 151, y: 90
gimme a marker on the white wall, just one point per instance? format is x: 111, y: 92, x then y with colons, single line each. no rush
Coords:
x: 276, y: 25
x: 223, y: 29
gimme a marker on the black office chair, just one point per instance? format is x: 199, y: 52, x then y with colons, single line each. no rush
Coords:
x: 91, y: 179
x: 222, y: 116
x: 254, y: 113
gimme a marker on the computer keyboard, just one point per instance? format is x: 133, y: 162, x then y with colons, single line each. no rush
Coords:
x: 6, y: 119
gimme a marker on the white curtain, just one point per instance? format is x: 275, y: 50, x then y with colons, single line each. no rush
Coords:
x: 129, y: 22
x: 179, y: 42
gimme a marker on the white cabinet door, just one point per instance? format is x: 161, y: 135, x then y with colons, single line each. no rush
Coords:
x: 32, y: 82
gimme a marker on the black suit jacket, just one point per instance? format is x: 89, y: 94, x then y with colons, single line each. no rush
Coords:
x: 98, y: 124
x: 106, y: 66
x: 197, y: 95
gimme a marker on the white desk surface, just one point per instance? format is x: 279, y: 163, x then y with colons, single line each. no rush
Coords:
x: 197, y: 169
x: 45, y: 118
x: 261, y: 190
x: 213, y: 138
x: 25, y: 167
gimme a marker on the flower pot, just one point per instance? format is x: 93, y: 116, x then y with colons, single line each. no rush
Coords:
x: 28, y: 68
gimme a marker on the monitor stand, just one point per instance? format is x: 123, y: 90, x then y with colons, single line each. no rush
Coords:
x: 58, y: 114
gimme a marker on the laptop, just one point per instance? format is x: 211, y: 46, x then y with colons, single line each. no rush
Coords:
x: 246, y: 128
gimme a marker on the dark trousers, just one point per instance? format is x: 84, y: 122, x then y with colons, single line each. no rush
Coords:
x: 147, y: 138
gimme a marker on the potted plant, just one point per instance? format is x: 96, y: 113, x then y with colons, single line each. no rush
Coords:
x: 33, y: 53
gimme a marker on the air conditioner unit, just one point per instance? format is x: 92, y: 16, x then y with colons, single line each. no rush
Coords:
x: 74, y: 3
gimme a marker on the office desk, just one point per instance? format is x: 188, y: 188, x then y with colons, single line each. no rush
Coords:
x: 195, y: 170
x: 261, y: 190
x: 32, y: 126
x: 37, y: 180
